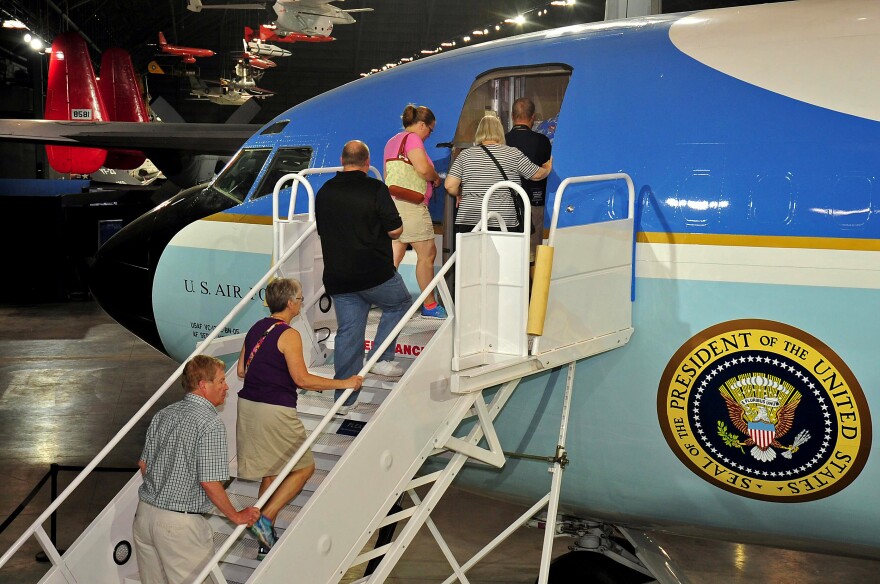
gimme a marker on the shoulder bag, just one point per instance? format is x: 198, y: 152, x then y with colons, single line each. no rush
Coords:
x: 404, y: 183
x: 517, y: 202
x: 259, y: 344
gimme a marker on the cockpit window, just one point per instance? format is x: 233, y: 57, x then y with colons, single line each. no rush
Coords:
x: 238, y: 178
x: 286, y: 161
x: 275, y: 128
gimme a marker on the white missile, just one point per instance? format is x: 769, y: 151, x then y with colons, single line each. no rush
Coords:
x: 262, y: 49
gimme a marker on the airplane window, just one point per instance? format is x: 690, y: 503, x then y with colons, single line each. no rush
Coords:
x: 852, y: 196
x: 275, y: 128
x: 238, y: 178
x: 496, y: 90
x: 287, y: 160
x: 773, y: 200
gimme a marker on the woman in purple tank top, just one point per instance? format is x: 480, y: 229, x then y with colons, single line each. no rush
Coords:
x: 268, y: 431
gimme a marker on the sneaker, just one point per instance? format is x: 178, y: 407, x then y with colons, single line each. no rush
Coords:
x: 436, y: 312
x: 388, y: 369
x: 345, y: 410
x: 262, y: 550
x: 263, y: 531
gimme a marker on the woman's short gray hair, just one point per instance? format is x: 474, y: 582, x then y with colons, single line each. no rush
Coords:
x: 489, y: 129
x: 279, y: 291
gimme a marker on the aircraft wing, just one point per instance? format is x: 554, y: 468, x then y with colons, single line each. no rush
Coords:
x: 185, y: 137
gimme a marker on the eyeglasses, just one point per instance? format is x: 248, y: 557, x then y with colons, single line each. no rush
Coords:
x: 300, y: 298
x: 430, y: 128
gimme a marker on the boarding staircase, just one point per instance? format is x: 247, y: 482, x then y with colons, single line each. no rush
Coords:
x: 370, y: 459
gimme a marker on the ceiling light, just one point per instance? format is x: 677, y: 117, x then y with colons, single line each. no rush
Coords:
x: 477, y: 32
x: 13, y: 24
x: 448, y: 44
x: 28, y: 37
x: 520, y: 19
x: 466, y: 39
x: 485, y: 31
x: 497, y: 27
x: 37, y: 44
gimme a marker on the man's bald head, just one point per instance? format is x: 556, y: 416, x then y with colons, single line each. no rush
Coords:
x: 523, y: 111
x: 355, y: 156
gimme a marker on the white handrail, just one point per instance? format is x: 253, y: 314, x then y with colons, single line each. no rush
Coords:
x: 506, y: 184
x: 585, y: 179
x: 438, y: 280
x: 149, y: 403
x: 297, y: 178
x: 320, y: 170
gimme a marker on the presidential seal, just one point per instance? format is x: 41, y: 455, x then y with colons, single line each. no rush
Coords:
x: 765, y: 410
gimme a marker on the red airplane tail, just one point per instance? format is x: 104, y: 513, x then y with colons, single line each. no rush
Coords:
x: 162, y: 41
x: 122, y: 99
x: 248, y: 34
x: 72, y: 94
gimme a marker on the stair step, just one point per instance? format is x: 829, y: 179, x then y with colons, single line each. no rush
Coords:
x: 285, y: 517
x: 318, y: 405
x: 235, y: 574
x: 371, y: 380
x: 251, y: 488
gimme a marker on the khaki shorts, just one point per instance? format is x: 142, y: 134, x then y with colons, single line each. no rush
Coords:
x: 267, y: 436
x: 417, y: 225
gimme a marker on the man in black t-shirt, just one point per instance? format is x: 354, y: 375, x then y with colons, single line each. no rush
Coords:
x: 536, y: 147
x: 357, y: 221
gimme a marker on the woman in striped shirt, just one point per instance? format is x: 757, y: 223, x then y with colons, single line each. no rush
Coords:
x: 474, y: 171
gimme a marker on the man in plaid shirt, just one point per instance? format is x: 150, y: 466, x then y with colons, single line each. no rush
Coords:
x: 184, y: 465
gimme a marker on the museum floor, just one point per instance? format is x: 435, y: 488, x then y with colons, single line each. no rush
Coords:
x: 70, y: 377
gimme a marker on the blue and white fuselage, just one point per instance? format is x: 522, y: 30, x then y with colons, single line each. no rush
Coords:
x: 753, y: 138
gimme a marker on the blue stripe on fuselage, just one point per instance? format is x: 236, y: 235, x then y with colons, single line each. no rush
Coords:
x: 707, y: 152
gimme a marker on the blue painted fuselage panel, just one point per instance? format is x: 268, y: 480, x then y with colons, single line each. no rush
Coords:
x: 709, y: 154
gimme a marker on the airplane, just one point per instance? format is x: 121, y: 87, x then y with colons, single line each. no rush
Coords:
x: 234, y: 91
x: 256, y: 53
x: 740, y: 406
x: 115, y: 96
x: 259, y: 48
x: 188, y: 54
x: 270, y: 32
x: 299, y: 18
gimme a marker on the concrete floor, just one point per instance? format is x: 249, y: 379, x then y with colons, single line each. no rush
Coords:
x: 70, y: 378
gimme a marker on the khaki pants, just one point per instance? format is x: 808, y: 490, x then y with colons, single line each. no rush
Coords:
x: 537, y: 236
x: 171, y: 548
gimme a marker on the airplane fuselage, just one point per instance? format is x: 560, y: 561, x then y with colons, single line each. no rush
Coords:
x: 752, y: 138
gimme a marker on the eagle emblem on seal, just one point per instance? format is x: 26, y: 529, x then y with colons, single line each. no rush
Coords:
x: 762, y: 407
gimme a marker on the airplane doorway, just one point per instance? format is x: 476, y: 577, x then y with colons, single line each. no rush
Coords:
x: 493, y: 93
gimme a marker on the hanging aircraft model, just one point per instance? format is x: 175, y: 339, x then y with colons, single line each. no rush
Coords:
x: 187, y: 54
x: 235, y: 91
x: 259, y: 48
x: 257, y: 53
x: 740, y: 408
x: 297, y: 19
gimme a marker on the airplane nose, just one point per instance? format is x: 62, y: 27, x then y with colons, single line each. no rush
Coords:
x: 121, y: 276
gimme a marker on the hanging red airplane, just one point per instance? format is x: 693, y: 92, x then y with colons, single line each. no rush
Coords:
x: 189, y: 54
x: 269, y: 32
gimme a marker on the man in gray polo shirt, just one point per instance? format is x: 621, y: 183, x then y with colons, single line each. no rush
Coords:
x: 184, y: 464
